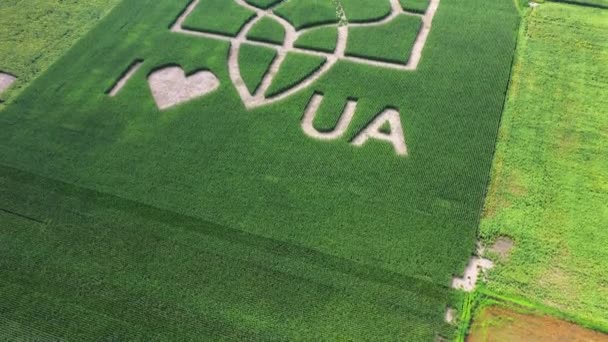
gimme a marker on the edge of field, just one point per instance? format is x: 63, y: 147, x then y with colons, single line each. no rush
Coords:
x: 34, y: 48
x: 482, y: 298
x: 473, y: 303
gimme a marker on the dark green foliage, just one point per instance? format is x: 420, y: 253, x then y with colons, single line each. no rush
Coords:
x: 254, y: 62
x: 306, y: 13
x: 218, y: 16
x: 417, y: 6
x: 184, y: 278
x: 294, y: 69
x: 603, y: 4
x: 263, y: 3
x: 392, y: 42
x: 208, y: 221
x: 320, y: 39
x: 365, y: 10
x: 267, y: 30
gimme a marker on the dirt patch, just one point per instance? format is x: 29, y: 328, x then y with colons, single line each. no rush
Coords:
x: 500, y: 324
x: 5, y: 81
x: 170, y: 86
x: 475, y: 269
x: 502, y: 247
x: 450, y: 316
x: 341, y: 127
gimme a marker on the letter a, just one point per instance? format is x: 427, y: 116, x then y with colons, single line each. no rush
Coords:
x: 374, y: 131
x: 341, y: 127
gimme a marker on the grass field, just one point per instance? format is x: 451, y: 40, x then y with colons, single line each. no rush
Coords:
x: 549, y: 185
x: 212, y: 221
x: 35, y: 33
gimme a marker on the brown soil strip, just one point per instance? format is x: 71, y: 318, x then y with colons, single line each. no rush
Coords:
x: 374, y: 131
x: 498, y: 324
x: 502, y: 247
x: 338, y: 131
x: 5, y: 81
x: 125, y: 78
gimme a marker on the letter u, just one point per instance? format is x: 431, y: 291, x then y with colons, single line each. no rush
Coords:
x: 341, y: 127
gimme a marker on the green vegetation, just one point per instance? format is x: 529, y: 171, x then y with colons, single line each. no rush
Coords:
x: 255, y: 62
x: 35, y: 33
x: 267, y: 30
x: 320, y: 39
x: 218, y: 16
x: 184, y: 279
x: 307, y: 13
x: 365, y: 10
x: 549, y: 185
x: 418, y: 6
x: 263, y: 3
x: 591, y: 3
x: 392, y: 42
x: 295, y: 68
x: 209, y: 221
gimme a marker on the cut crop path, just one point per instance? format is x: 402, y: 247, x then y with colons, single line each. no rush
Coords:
x: 549, y: 182
x: 218, y: 221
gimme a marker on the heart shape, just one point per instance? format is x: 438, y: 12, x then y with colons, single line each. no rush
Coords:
x: 170, y: 86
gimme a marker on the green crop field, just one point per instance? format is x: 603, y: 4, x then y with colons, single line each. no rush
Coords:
x: 549, y: 186
x: 222, y: 216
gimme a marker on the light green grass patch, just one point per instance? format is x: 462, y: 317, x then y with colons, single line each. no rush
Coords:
x: 549, y: 184
x: 35, y: 33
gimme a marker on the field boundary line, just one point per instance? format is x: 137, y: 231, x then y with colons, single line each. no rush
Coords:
x: 29, y: 218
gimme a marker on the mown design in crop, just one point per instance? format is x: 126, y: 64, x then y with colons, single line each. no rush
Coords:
x: 280, y: 24
x: 220, y: 221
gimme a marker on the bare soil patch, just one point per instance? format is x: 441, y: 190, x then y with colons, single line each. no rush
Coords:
x: 170, y: 86
x: 5, y: 81
x: 476, y: 269
x: 499, y: 324
x: 502, y: 247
